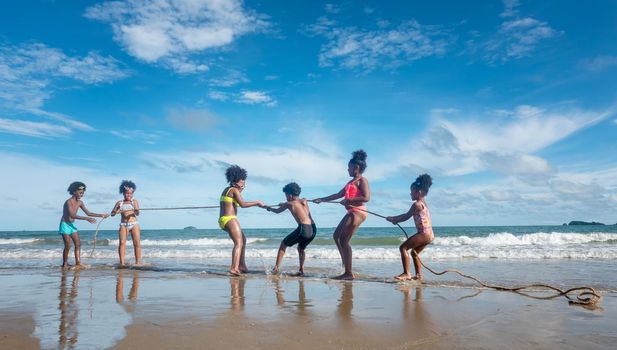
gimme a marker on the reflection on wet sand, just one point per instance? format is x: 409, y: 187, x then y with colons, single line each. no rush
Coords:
x: 132, y: 292
x: 302, y: 304
x: 420, y: 328
x: 237, y: 294
x: 345, y: 305
x: 413, y: 307
x: 69, y: 311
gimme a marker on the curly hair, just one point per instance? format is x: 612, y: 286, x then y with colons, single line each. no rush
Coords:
x: 423, y: 183
x: 76, y: 186
x: 234, y: 174
x: 292, y: 189
x: 125, y: 185
x: 358, y: 158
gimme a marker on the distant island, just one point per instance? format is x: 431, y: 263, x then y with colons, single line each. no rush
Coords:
x: 190, y: 228
x: 575, y: 223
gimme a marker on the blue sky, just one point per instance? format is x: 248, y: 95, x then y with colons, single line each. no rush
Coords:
x: 509, y: 105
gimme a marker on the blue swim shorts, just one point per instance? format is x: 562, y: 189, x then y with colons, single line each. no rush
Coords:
x: 66, y: 228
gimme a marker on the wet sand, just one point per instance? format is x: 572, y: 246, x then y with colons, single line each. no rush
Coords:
x: 136, y: 309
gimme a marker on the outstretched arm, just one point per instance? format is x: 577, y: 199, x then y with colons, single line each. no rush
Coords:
x: 89, y: 213
x: 238, y: 196
x: 405, y: 216
x: 281, y: 208
x: 339, y: 194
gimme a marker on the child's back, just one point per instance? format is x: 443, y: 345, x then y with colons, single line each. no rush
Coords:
x: 300, y: 210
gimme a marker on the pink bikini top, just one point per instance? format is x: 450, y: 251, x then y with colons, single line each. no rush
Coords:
x: 352, y: 191
x: 422, y: 219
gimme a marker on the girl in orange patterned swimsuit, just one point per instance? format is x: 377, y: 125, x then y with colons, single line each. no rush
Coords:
x: 424, y: 228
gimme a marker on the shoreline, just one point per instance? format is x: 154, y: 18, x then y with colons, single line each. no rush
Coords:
x: 132, y: 308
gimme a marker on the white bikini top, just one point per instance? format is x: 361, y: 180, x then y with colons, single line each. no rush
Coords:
x: 127, y: 206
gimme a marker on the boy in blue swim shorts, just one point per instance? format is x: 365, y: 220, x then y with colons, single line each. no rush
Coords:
x: 306, y: 231
x: 67, y: 228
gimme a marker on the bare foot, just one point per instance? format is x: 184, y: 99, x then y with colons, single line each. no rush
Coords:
x: 298, y: 274
x: 403, y: 277
x: 344, y: 277
x: 138, y: 263
x: 275, y: 271
x: 80, y: 266
x: 65, y: 267
x: 418, y: 277
x: 244, y: 269
x: 234, y: 273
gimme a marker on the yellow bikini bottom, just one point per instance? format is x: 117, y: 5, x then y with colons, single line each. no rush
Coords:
x: 223, y: 220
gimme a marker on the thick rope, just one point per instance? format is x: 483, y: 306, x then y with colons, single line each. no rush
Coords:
x: 585, y: 295
x: 176, y: 208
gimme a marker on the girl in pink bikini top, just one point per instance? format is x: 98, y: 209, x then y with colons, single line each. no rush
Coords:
x: 352, y: 191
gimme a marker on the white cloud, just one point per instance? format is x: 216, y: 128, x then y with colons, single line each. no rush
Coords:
x: 354, y: 48
x: 272, y: 165
x: 218, y: 95
x: 331, y: 8
x: 518, y: 38
x: 231, y: 78
x: 149, y: 137
x: 168, y: 32
x: 503, y: 141
x: 510, y: 9
x: 250, y: 97
x: 256, y: 97
x: 30, y: 72
x: 599, y: 63
x: 195, y: 120
x: 35, y: 129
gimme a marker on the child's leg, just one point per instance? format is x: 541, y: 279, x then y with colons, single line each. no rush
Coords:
x: 122, y: 244
x: 235, y: 233
x: 413, y: 242
x: 65, y: 252
x: 301, y: 256
x: 354, y: 220
x: 337, y: 236
x: 279, y: 257
x: 416, y: 260
x: 136, y: 236
x: 77, y: 244
x: 243, y: 267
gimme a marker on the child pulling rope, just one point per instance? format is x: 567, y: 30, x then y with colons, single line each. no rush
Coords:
x: 585, y: 295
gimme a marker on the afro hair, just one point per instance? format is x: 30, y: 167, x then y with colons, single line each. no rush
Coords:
x: 234, y: 174
x: 125, y: 185
x: 292, y: 189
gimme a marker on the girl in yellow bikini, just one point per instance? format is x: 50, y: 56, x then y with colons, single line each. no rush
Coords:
x: 231, y: 199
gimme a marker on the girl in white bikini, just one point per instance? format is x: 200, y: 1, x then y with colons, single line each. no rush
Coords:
x: 128, y: 208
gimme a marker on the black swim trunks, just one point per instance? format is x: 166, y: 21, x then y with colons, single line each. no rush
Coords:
x: 303, y: 235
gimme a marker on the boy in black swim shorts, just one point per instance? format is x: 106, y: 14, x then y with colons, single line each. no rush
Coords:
x: 306, y: 231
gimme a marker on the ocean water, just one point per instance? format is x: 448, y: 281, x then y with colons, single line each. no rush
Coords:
x: 564, y: 255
